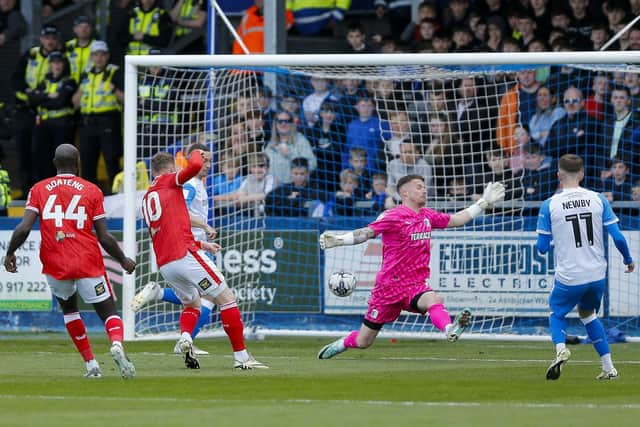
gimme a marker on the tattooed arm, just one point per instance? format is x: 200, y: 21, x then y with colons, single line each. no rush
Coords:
x: 329, y: 240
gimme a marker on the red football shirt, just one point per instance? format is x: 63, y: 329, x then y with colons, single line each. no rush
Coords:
x: 67, y: 206
x: 165, y: 212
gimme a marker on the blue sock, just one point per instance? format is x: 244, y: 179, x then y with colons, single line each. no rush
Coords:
x: 598, y: 336
x: 205, y: 316
x: 169, y: 296
x: 558, y: 327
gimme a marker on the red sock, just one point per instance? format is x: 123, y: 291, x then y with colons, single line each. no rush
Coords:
x: 78, y: 333
x: 114, y: 328
x: 188, y: 319
x: 232, y: 324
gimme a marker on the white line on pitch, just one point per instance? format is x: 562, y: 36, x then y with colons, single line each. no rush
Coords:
x: 333, y: 402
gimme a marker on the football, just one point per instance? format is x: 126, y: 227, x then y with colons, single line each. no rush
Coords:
x: 342, y: 283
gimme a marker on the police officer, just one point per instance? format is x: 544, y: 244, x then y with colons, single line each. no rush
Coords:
x: 157, y: 118
x: 149, y: 27
x: 99, y: 97
x: 189, y: 15
x: 31, y: 69
x: 52, y: 99
x: 78, y: 49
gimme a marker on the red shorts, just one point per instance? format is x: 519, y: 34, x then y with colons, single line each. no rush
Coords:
x: 387, y: 301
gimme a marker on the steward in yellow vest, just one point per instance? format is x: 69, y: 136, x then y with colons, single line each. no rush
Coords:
x: 54, y: 121
x: 99, y: 98
x: 149, y: 27
x: 78, y: 49
x: 187, y: 16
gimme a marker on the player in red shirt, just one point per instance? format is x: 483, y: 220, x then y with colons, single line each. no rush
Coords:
x: 182, y: 261
x: 69, y: 208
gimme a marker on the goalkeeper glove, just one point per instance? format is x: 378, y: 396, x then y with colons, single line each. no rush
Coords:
x: 493, y: 193
x: 329, y: 240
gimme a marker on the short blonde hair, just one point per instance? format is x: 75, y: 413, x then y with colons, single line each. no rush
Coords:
x: 161, y: 161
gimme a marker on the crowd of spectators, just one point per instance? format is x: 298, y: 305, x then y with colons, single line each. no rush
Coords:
x: 337, y: 146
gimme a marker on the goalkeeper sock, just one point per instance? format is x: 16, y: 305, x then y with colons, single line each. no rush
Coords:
x: 232, y: 325
x: 169, y: 295
x: 188, y: 319
x: 205, y: 314
x: 351, y: 340
x: 558, y: 328
x: 596, y: 334
x: 78, y: 333
x: 115, y: 329
x: 439, y: 316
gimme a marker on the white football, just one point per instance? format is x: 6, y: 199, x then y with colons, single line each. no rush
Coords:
x: 342, y: 283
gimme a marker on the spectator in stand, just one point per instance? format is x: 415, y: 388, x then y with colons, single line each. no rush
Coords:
x: 291, y: 104
x: 313, y: 17
x: 493, y: 9
x: 580, y: 28
x: 538, y: 180
x: 462, y: 39
x: 623, y: 40
x: 343, y: 201
x: 442, y: 41
x: 327, y: 139
x: 78, y: 49
x: 188, y: 16
x: 349, y: 91
x: 291, y: 199
x: 518, y: 104
x: 457, y: 190
x: 547, y: 113
x: 616, y: 12
x: 13, y: 27
x: 251, y: 28
x: 600, y: 35
x: 29, y: 73
x: 426, y: 31
x: 400, y: 132
x: 266, y: 106
x: 55, y: 114
x: 631, y: 81
x: 596, y: 102
x: 410, y: 162
x: 379, y: 28
x: 366, y: 131
x: 617, y: 187
x: 149, y: 28
x: 526, y: 26
x: 539, y: 45
x: 378, y: 194
x: 49, y: 7
x: 634, y: 38
x: 540, y: 12
x: 356, y: 39
x: 99, y: 98
x: 455, y: 14
x: 118, y: 28
x: 509, y: 44
x: 286, y: 144
x: 444, y: 152
x: 311, y: 104
x: 358, y: 164
x: 478, y: 28
x: 473, y: 119
x: 521, y: 138
x: 388, y: 98
x: 494, y: 169
x: 229, y: 178
x: 254, y: 187
x: 619, y: 128
x: 426, y: 10
x: 576, y: 133
x: 494, y: 38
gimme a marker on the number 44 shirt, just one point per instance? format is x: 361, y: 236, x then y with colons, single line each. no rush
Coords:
x: 67, y: 206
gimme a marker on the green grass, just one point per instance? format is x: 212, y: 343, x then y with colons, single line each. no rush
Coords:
x: 411, y: 382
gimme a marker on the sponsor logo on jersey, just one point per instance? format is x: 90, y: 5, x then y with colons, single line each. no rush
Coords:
x: 427, y: 223
x: 374, y: 314
x: 60, y: 236
x: 100, y: 289
x: 204, y: 284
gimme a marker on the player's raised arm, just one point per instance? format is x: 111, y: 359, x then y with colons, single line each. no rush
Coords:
x: 196, y: 159
x: 18, y: 237
x: 329, y: 240
x: 493, y: 193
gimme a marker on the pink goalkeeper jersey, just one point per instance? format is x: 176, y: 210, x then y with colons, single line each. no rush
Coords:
x: 406, y: 244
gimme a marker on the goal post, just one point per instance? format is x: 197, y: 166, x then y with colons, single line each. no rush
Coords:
x: 273, y: 261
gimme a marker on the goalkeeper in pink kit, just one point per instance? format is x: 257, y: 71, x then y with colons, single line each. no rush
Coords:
x: 403, y: 280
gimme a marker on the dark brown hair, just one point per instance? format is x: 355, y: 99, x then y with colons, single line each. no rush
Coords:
x: 570, y: 163
x: 407, y: 178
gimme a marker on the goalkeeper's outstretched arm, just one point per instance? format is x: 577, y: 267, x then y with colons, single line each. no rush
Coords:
x: 329, y: 240
x: 493, y: 193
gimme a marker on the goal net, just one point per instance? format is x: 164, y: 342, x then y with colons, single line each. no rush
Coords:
x: 331, y: 135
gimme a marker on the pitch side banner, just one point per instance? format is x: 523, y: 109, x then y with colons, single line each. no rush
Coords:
x: 489, y: 272
x: 26, y: 290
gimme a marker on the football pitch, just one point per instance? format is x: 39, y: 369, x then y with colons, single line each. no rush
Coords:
x: 403, y: 383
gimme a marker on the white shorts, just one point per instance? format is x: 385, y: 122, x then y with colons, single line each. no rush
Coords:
x: 91, y: 289
x: 194, y: 274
